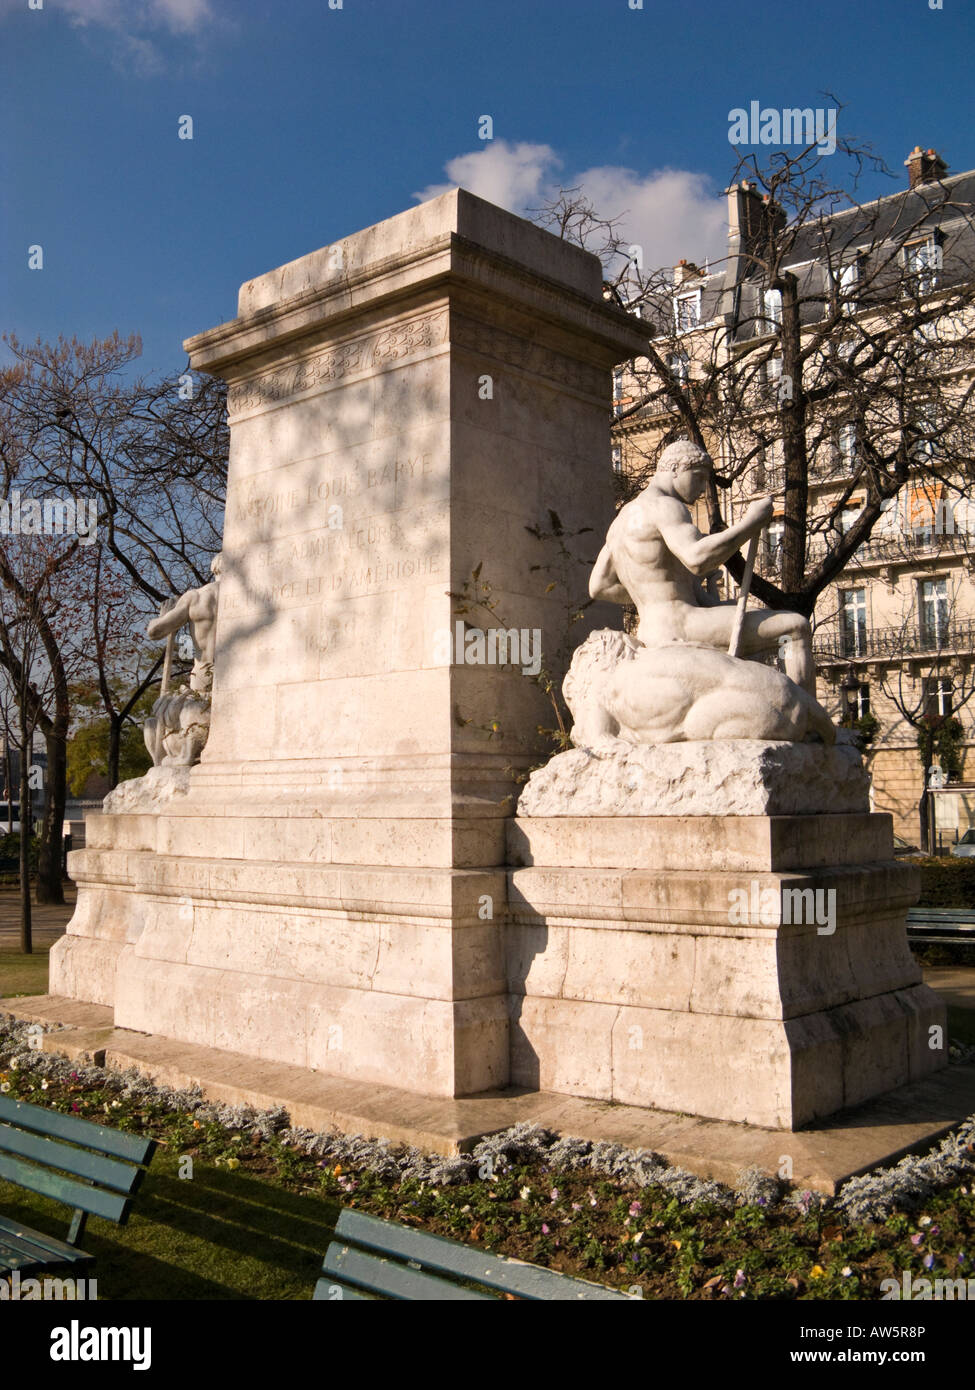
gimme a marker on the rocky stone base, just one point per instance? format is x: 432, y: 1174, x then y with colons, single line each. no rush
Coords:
x: 741, y: 777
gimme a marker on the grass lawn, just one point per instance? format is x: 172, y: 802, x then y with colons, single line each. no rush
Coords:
x: 218, y: 1235
x: 23, y: 974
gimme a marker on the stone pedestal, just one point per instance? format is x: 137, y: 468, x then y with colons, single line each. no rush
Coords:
x: 327, y: 887
x: 666, y: 961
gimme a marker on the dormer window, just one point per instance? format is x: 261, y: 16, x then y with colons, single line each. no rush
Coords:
x: 922, y: 261
x: 771, y: 311
x: 846, y: 278
x: 687, y: 311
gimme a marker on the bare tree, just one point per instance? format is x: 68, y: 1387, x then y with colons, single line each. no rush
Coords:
x: 149, y: 459
x: 839, y: 341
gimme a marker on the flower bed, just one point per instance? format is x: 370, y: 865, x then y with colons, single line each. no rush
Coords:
x: 593, y: 1209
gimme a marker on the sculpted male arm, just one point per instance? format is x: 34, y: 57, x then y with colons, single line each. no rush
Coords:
x: 173, y: 619
x: 604, y: 582
x: 698, y: 553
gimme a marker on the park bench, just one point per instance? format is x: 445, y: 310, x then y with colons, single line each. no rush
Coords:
x: 372, y: 1258
x: 95, y: 1170
x: 941, y: 925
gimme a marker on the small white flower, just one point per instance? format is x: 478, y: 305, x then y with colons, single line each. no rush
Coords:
x: 5, y: 1087
x: 525, y: 1193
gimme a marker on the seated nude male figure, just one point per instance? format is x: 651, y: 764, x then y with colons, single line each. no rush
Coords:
x: 655, y: 557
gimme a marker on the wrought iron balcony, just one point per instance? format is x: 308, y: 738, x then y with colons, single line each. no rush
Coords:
x: 880, y: 550
x: 894, y: 643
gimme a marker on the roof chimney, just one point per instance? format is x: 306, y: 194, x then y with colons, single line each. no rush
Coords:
x: 685, y: 270
x: 924, y: 166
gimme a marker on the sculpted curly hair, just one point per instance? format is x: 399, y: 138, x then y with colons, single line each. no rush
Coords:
x: 680, y: 455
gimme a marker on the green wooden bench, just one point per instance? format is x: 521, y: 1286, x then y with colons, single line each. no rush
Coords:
x: 943, y: 926
x: 372, y: 1258
x: 95, y: 1170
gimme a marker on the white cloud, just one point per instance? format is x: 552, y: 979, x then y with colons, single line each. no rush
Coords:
x: 513, y: 176
x: 178, y: 16
x: 134, y: 30
x: 669, y: 212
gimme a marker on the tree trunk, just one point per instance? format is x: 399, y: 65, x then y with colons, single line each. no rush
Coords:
x: 922, y: 812
x: 114, y: 748
x: 792, y: 418
x: 26, y: 935
x: 50, y: 887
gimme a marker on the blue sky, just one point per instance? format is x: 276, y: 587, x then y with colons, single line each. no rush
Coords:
x: 311, y: 122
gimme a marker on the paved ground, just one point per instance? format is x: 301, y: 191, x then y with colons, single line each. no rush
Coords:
x: 955, y: 984
x: 48, y: 922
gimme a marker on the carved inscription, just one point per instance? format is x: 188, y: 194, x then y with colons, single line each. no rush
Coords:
x: 366, y: 555
x: 252, y: 505
x: 363, y: 355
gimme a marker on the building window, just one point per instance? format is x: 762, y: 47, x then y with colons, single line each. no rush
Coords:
x: 774, y: 537
x: 848, y: 516
x: 856, y: 701
x: 853, y: 622
x: 772, y: 310
x: 617, y: 458
x: 922, y: 261
x: 933, y: 601
x: 844, y: 280
x: 618, y: 391
x: 938, y: 692
x: 926, y: 428
x: 846, y: 284
x: 680, y: 366
x: 687, y: 311
x: 846, y: 443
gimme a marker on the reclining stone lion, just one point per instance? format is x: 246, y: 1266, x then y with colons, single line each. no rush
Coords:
x: 619, y: 691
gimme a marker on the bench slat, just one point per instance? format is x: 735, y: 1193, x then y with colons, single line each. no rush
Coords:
x: 26, y: 1255
x: 76, y: 1130
x: 323, y: 1293
x: 383, y: 1276
x: 463, y: 1262
x: 94, y: 1200
x: 16, y: 1230
x: 106, y: 1172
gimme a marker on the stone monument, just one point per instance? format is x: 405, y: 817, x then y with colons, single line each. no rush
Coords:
x: 327, y: 886
x: 692, y: 909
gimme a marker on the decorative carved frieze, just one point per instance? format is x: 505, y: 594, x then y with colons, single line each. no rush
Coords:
x: 360, y: 355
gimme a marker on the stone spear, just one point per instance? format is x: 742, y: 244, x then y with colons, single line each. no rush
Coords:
x: 746, y: 584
